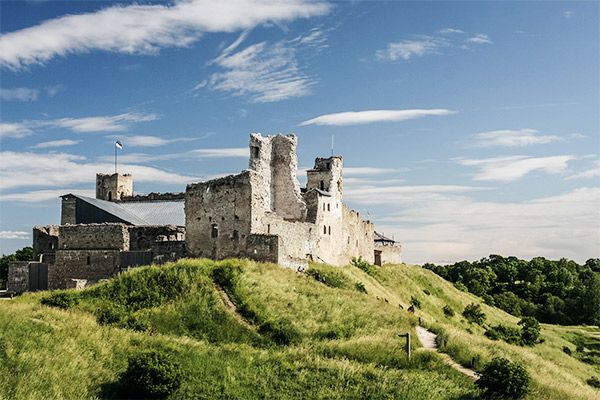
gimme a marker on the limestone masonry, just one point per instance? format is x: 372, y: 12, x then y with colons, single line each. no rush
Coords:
x: 261, y: 214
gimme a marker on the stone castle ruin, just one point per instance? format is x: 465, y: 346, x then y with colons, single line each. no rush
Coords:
x: 261, y: 213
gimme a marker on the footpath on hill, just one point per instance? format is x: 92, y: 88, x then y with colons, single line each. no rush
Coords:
x: 427, y: 338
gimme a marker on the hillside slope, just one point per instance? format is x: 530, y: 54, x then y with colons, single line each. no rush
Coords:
x: 298, y: 338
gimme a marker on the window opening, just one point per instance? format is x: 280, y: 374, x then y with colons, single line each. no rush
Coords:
x: 324, y: 230
x: 88, y: 260
x: 109, y: 196
x: 330, y: 230
x: 328, y: 209
x: 322, y: 185
x: 214, y: 231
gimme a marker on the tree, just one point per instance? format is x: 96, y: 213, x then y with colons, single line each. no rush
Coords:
x: 530, y: 331
x: 502, y: 378
x: 474, y: 314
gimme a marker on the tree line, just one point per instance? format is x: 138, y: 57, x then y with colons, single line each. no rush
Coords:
x: 555, y: 292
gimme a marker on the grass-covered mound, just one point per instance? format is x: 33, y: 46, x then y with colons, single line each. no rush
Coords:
x: 293, y: 337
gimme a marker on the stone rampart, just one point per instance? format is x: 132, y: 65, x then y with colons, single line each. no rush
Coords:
x: 45, y: 240
x: 142, y: 237
x: 94, y: 236
x: 91, y: 265
x: 390, y: 254
x: 18, y: 277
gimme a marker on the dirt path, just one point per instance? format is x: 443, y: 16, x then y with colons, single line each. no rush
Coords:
x: 232, y: 308
x: 428, y: 339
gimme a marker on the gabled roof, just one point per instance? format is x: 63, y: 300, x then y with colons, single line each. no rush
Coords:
x: 380, y: 238
x: 156, y: 212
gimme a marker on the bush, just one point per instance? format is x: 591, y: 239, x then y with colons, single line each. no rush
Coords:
x: 461, y: 286
x: 594, y: 382
x: 415, y: 302
x: 567, y: 350
x: 61, y: 299
x: 474, y: 314
x: 360, y: 287
x: 506, y: 333
x: 427, y: 292
x: 448, y: 311
x: 530, y: 332
x: 362, y: 264
x: 502, y: 378
x: 441, y: 339
x: 152, y: 375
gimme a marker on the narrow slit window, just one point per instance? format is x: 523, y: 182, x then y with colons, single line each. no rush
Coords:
x: 214, y: 231
x: 328, y: 209
x: 322, y: 185
x: 330, y: 230
x: 324, y: 230
x: 88, y: 260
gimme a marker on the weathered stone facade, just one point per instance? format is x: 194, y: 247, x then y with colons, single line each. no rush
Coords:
x: 261, y: 213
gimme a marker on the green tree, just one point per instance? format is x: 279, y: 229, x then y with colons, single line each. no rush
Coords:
x: 502, y: 378
x: 530, y: 330
x: 474, y: 314
x: 509, y: 302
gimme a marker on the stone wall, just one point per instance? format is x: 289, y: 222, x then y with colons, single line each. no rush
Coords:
x: 142, y: 237
x: 68, y: 214
x: 93, y: 236
x: 112, y: 187
x: 91, y: 265
x: 45, y: 241
x: 18, y: 277
x: 295, y: 244
x: 218, y: 216
x: 390, y: 254
x: 357, y: 237
x: 263, y: 248
x: 168, y: 251
x: 153, y: 196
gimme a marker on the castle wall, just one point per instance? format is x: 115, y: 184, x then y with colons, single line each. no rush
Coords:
x: 264, y: 248
x: 112, y: 187
x: 358, y: 236
x: 168, y: 251
x: 45, y: 241
x: 295, y: 245
x: 68, y: 214
x: 390, y: 254
x: 142, y: 237
x: 90, y: 265
x: 18, y: 277
x: 218, y: 216
x: 93, y: 236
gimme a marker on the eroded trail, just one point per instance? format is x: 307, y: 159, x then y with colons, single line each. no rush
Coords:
x: 231, y: 307
x: 427, y: 338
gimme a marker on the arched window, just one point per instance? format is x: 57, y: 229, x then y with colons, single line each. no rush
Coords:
x: 109, y: 196
x: 214, y: 231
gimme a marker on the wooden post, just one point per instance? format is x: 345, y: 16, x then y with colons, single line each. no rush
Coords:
x: 419, y: 321
x: 407, y: 336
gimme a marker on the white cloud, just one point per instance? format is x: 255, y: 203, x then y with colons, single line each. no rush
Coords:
x: 448, y: 228
x: 55, y: 143
x: 408, y: 48
x: 227, y: 152
x: 191, y: 154
x: 450, y: 30
x: 265, y: 73
x: 587, y: 174
x: 38, y: 196
x: 511, y: 168
x: 61, y: 169
x: 366, y: 117
x: 349, y: 171
x: 522, y: 137
x: 480, y: 39
x: 144, y: 29
x: 110, y: 123
x: 22, y: 94
x: 51, y: 91
x: 569, y: 14
x: 151, y: 141
x: 374, y: 193
x: 14, y: 235
x: 14, y: 130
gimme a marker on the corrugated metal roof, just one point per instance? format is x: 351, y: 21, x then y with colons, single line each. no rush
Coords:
x: 156, y: 212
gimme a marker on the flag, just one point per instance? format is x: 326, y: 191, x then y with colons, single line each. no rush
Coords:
x: 118, y: 144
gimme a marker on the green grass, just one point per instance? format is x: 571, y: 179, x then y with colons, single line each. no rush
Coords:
x: 306, y: 339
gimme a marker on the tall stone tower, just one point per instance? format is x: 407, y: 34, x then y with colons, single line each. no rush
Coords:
x: 113, y: 187
x: 326, y: 175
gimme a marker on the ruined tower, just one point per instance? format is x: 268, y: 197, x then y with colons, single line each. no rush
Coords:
x: 113, y: 187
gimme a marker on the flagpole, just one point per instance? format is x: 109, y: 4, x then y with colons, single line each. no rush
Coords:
x: 116, y: 155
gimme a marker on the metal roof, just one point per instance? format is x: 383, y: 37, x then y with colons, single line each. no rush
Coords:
x: 155, y: 212
x: 380, y: 238
x: 323, y: 192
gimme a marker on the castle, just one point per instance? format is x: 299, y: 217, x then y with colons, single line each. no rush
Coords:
x: 261, y: 213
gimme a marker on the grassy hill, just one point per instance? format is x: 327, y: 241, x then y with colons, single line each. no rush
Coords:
x: 293, y: 336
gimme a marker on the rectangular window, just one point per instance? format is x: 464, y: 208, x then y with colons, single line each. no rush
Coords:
x: 214, y: 231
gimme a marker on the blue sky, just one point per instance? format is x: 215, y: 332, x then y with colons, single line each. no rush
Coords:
x: 467, y: 128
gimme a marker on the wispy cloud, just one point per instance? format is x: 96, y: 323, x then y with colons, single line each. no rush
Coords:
x: 111, y: 123
x: 409, y: 48
x: 55, y: 143
x: 480, y: 39
x: 375, y: 193
x: 14, y: 130
x: 569, y: 14
x: 266, y: 73
x: 450, y: 30
x: 152, y: 141
x: 512, y: 138
x: 242, y: 152
x: 351, y: 171
x: 370, y: 116
x: 37, y: 196
x: 62, y: 170
x: 592, y: 172
x: 227, y: 152
x: 144, y: 29
x: 508, y: 169
x: 14, y: 235
x: 22, y: 94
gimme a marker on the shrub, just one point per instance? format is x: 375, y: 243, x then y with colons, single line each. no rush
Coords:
x: 364, y: 265
x: 594, y: 382
x: 530, y: 332
x: 151, y: 374
x: 567, y: 350
x: 441, y: 340
x: 474, y: 314
x: 415, y: 302
x: 448, y: 311
x: 502, y: 378
x: 61, y: 299
x: 360, y: 287
x: 427, y: 292
x: 506, y: 333
x: 461, y: 286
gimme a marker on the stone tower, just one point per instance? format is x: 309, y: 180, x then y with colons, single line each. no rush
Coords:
x: 326, y: 175
x: 113, y: 187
